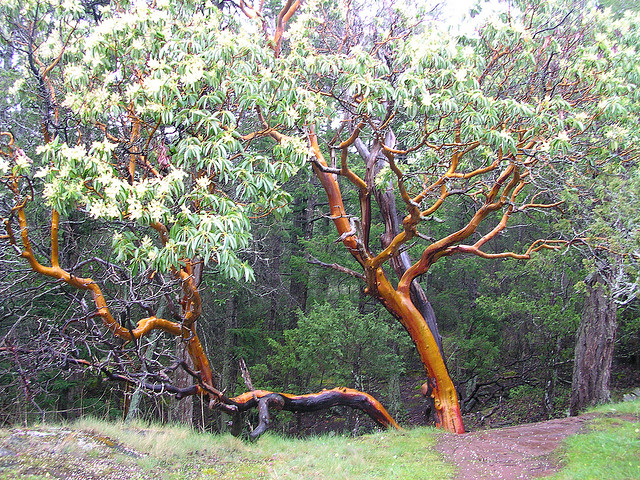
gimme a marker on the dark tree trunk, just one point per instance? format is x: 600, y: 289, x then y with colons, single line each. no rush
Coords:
x: 182, y: 410
x: 386, y: 199
x: 594, y: 346
x: 229, y: 364
x: 302, y: 229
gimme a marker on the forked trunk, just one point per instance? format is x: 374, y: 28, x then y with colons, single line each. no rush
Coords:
x: 439, y: 386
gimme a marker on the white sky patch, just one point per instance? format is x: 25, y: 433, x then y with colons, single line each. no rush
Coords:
x: 456, y: 14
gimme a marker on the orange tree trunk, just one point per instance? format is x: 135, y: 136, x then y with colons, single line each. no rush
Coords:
x: 439, y: 385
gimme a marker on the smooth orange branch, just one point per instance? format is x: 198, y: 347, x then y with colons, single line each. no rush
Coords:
x: 267, y: 131
x: 493, y: 193
x: 397, y: 151
x: 191, y: 297
x: 11, y: 235
x: 391, y: 250
x: 62, y: 50
x: 109, y: 136
x: 162, y: 231
x: 534, y: 204
x: 191, y: 300
x: 194, y: 346
x: 151, y: 133
x: 11, y: 140
x: 476, y: 172
x: 422, y: 195
x: 541, y: 205
x: 26, y: 243
x: 43, y: 77
x: 144, y: 326
x: 497, y: 229
x: 409, y: 223
x: 354, y: 136
x: 258, y: 134
x: 283, y: 17
x: 345, y: 170
x: 534, y: 247
x: 77, y: 282
x: 514, y: 185
x: 520, y: 186
x: 55, y: 222
x: 440, y: 248
x: 316, y: 401
x: 334, y: 196
x: 150, y: 167
x: 348, y: 173
x: 441, y: 388
x: 444, y: 193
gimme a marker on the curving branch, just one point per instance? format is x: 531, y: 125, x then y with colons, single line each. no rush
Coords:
x: 311, y: 402
x: 335, y: 266
x: 290, y: 7
x: 336, y: 204
x: 191, y: 296
x: 534, y: 247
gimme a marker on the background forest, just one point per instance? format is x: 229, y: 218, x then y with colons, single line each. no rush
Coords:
x: 282, y: 305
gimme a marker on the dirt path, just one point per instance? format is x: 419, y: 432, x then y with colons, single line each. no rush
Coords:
x: 524, y: 451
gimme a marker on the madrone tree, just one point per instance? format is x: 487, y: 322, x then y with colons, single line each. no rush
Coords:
x: 153, y: 126
x: 504, y: 124
x: 187, y: 123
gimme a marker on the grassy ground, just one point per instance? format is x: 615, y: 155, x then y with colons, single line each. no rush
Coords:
x: 93, y: 449
x: 180, y: 453
x: 608, y: 449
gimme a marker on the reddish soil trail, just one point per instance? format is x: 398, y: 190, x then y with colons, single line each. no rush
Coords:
x: 523, y: 451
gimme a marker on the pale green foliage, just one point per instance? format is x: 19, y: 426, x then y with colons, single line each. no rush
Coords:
x: 186, y: 80
x: 561, y: 95
x: 181, y: 86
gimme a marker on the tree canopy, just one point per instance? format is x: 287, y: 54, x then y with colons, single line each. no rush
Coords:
x: 175, y: 127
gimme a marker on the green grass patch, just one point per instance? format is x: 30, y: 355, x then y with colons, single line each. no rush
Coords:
x: 407, y: 454
x: 622, y: 408
x: 609, y: 448
x: 180, y: 452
